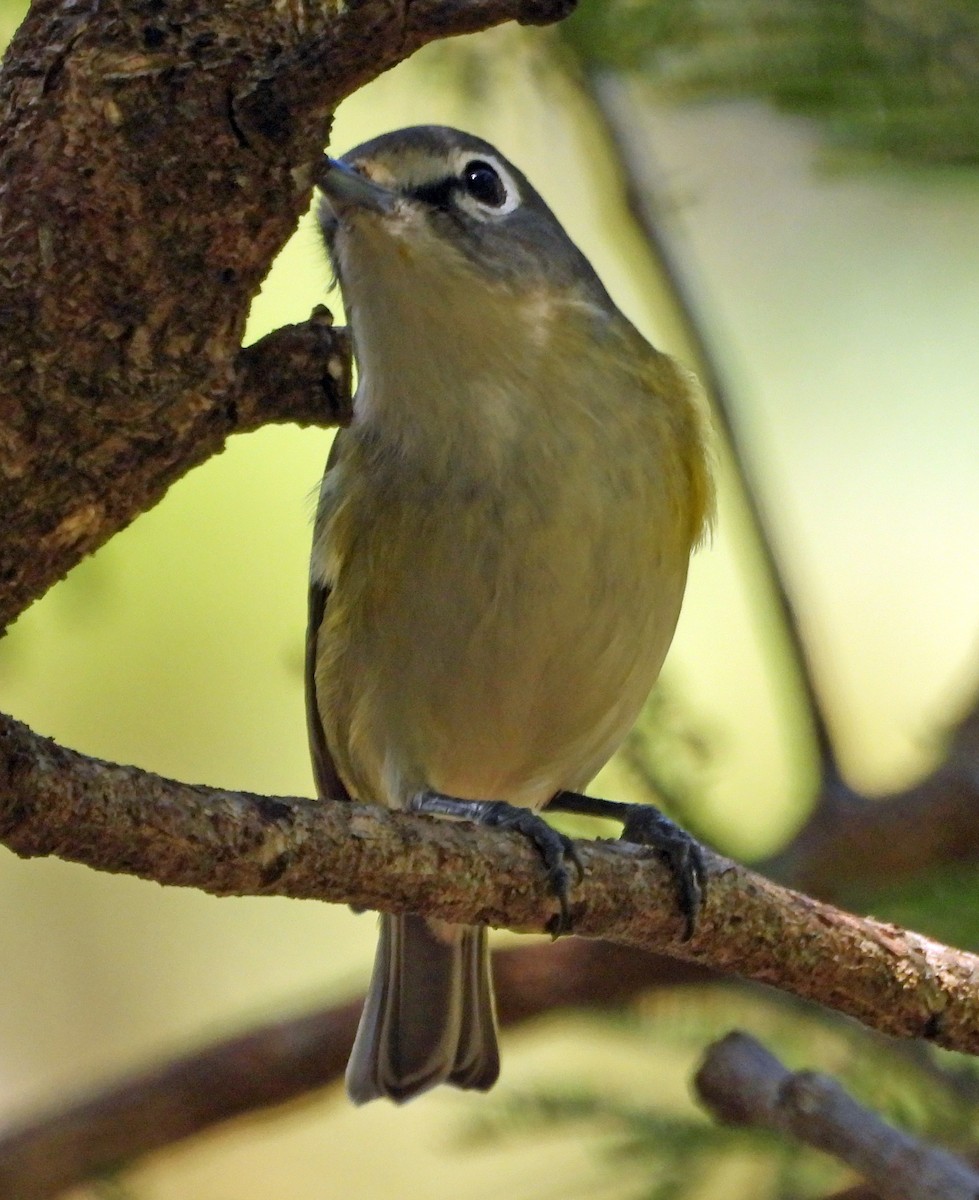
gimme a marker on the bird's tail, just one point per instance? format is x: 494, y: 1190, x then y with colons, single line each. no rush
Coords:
x: 429, y: 1015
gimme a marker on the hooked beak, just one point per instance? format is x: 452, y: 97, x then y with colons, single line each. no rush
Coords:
x: 346, y: 189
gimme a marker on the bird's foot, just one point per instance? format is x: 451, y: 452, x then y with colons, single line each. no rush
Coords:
x: 645, y: 825
x: 557, y: 851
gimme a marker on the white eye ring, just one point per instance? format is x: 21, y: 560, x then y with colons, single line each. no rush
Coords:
x: 471, y: 203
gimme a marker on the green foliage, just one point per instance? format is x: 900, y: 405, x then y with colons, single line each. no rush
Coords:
x: 624, y: 34
x: 897, y: 79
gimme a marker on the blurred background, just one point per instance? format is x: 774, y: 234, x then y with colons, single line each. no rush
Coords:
x: 814, y: 186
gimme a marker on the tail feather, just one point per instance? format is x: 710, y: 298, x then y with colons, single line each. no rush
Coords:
x: 477, y: 1057
x: 429, y: 1015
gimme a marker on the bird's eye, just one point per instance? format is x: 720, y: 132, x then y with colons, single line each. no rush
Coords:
x: 483, y: 183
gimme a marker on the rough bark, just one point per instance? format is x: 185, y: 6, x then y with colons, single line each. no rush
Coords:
x: 153, y: 160
x: 935, y: 822
x: 115, y: 818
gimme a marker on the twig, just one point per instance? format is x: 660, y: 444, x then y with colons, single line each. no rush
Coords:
x: 743, y: 1084
x: 114, y: 818
x: 298, y: 374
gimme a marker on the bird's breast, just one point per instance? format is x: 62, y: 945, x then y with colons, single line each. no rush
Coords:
x: 498, y: 611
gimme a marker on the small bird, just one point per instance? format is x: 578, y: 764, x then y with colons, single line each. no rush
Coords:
x: 500, y: 552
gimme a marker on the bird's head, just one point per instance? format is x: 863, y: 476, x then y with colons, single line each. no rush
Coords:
x: 441, y: 212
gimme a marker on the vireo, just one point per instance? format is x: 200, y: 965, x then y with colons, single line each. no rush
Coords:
x: 500, y: 551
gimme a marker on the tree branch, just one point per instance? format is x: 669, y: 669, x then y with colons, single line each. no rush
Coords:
x: 274, y: 1064
x: 150, y: 171
x: 115, y: 818
x: 278, y: 1062
x: 743, y: 1084
x: 166, y: 1104
x: 297, y: 374
x: 152, y: 164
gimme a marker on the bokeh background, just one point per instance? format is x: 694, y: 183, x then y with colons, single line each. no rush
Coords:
x: 836, y: 277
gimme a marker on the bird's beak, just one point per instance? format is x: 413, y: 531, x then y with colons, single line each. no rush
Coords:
x: 346, y: 189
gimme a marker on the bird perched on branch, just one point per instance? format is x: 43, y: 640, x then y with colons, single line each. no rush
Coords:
x: 500, y: 552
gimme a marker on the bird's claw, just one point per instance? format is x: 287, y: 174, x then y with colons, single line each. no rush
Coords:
x: 558, y: 851
x: 645, y: 825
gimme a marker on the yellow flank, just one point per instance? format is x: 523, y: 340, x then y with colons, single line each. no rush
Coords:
x: 678, y: 390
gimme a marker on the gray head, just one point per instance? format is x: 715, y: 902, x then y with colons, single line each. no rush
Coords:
x: 455, y: 197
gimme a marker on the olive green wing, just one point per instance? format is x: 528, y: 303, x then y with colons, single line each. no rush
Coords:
x: 329, y: 785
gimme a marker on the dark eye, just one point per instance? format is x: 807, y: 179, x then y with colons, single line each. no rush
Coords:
x: 483, y: 183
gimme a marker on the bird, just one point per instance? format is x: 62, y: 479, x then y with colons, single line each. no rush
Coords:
x: 499, y: 554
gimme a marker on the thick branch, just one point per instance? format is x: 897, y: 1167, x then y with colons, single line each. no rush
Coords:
x: 297, y: 374
x: 743, y: 1084
x: 153, y: 160
x: 114, y: 818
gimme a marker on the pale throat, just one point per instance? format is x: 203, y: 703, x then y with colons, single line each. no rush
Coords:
x: 440, y: 345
